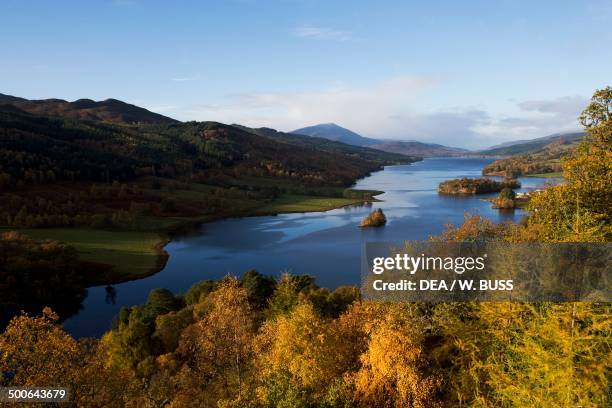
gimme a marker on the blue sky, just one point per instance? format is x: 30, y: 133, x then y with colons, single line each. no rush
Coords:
x: 464, y: 73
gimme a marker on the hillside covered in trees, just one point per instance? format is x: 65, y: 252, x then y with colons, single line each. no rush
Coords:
x: 64, y: 172
x: 41, y: 149
x: 262, y: 342
x: 534, y: 145
x: 542, y: 157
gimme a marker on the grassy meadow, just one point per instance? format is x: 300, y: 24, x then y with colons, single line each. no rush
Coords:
x: 132, y: 254
x: 299, y: 203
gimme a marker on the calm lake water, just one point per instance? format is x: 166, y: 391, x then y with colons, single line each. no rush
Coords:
x: 326, y: 245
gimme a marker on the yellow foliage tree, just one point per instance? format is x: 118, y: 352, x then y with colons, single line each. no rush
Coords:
x: 38, y: 352
x: 299, y: 356
x: 218, y: 348
x: 393, y: 369
x: 580, y: 209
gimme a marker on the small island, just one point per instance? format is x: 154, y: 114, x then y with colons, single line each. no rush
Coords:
x: 509, y: 200
x: 472, y: 186
x: 375, y: 219
x: 506, y: 200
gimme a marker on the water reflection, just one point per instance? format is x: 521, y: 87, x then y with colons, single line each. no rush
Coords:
x: 111, y: 295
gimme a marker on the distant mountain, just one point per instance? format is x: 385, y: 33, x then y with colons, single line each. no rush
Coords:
x: 337, y: 133
x: 533, y: 145
x: 419, y: 149
x: 109, y: 110
x: 323, y: 144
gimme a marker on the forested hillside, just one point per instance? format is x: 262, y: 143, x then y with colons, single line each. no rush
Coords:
x: 110, y: 110
x: 545, y: 160
x: 327, y: 145
x: 83, y: 168
x: 542, y: 156
x: 532, y: 146
x: 42, y: 149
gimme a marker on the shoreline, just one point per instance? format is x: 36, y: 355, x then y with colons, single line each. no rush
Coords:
x: 187, y: 226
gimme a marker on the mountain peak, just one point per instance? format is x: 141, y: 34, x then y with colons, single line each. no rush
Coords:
x: 337, y: 133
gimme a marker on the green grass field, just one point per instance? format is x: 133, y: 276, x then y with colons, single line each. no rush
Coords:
x: 298, y: 203
x: 133, y: 254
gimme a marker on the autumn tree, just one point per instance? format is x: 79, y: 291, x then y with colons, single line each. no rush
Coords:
x: 36, y: 352
x: 217, y: 349
x: 298, y: 358
x: 579, y: 209
x: 393, y: 370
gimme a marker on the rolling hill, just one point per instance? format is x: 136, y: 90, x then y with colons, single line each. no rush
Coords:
x: 109, y: 110
x: 531, y: 146
x: 538, y: 156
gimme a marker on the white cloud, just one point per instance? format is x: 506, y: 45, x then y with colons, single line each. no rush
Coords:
x: 519, y: 128
x: 455, y: 128
x: 566, y: 105
x: 321, y: 33
x: 540, y: 118
x: 364, y: 108
x: 392, y: 109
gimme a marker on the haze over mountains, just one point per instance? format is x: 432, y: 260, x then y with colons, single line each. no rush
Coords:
x: 334, y: 132
x: 542, y: 155
x: 419, y: 148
